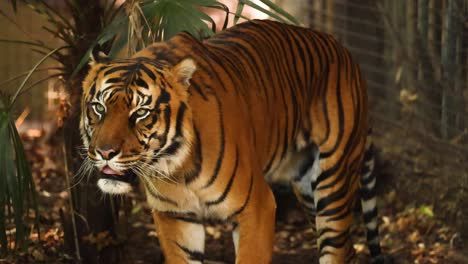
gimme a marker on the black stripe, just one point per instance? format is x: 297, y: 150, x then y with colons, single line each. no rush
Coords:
x: 325, y: 105
x: 171, y: 149
x: 141, y: 83
x: 369, y: 154
x: 307, y: 198
x: 337, y: 195
x: 198, y: 89
x: 367, y: 194
x: 273, y: 156
x: 242, y: 50
x: 337, y: 241
x: 340, y: 123
x: 255, y: 65
x: 192, y: 254
x: 113, y: 80
x: 290, y: 74
x: 364, y: 171
x: 349, y: 146
x: 160, y: 197
x: 180, y: 119
x: 184, y: 216
x: 188, y: 219
x: 370, y: 215
x: 167, y: 120
x: 372, y: 234
x: 344, y: 213
x: 163, y: 98
x: 221, y: 147
x: 148, y: 100
x: 117, y: 68
x: 195, y: 172
x: 147, y: 71
x: 375, y: 253
x: 228, y: 187
x: 238, y: 211
x: 92, y: 90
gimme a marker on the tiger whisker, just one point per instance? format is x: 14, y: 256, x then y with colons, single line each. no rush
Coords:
x: 149, y: 183
x: 85, y: 170
x: 150, y: 169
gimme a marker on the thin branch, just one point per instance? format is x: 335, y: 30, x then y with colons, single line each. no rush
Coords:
x: 16, y: 24
x: 57, y: 56
x: 13, y: 99
x: 59, y: 34
x: 62, y: 21
x: 25, y: 42
x: 70, y: 199
x: 25, y: 90
x: 26, y: 73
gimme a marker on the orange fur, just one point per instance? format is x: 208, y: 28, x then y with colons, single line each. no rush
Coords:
x: 254, y: 98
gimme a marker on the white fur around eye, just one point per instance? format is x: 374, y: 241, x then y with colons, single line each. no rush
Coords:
x: 99, y: 109
x: 148, y: 111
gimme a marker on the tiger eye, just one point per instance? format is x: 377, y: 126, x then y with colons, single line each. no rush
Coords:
x: 100, y: 107
x: 141, y: 112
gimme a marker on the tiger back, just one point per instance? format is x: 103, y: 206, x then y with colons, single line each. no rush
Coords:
x: 206, y: 125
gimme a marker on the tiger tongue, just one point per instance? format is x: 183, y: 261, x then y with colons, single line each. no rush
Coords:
x: 108, y: 170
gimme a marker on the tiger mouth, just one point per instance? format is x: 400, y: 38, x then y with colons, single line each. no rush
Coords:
x: 127, y: 176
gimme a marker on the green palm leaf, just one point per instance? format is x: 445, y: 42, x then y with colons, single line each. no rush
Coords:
x: 17, y: 191
x: 165, y: 18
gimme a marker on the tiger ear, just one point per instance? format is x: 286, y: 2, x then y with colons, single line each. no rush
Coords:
x: 184, y: 70
x: 98, y: 56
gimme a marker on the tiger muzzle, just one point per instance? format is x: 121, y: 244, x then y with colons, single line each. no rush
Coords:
x: 127, y: 176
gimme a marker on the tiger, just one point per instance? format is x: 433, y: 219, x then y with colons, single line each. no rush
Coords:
x: 207, y: 125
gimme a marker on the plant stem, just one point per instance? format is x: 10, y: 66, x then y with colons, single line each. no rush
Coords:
x: 13, y: 99
x: 70, y: 199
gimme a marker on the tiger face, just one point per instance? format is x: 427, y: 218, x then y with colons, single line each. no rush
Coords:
x: 135, y: 120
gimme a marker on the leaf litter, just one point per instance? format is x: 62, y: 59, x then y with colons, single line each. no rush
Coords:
x: 410, y: 234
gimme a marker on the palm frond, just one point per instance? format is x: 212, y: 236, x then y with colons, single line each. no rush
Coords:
x: 17, y: 191
x: 286, y: 17
x: 239, y: 9
x: 13, y: 99
x: 274, y: 14
x: 14, y: 78
x: 37, y: 44
x: 165, y: 18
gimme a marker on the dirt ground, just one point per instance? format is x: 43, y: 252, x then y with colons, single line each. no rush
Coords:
x: 410, y: 233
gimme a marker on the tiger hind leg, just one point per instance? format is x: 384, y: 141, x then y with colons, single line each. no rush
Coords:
x: 332, y: 226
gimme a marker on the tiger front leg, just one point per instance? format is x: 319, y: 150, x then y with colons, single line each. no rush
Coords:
x: 256, y: 226
x: 182, y: 239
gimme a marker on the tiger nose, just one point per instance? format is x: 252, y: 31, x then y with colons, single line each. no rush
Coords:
x: 107, y: 152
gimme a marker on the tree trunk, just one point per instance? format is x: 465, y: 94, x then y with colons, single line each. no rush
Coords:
x: 93, y: 214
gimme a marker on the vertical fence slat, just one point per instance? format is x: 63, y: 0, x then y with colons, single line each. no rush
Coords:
x: 449, y: 58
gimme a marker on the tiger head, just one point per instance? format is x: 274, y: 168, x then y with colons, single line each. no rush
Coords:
x: 136, y: 119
